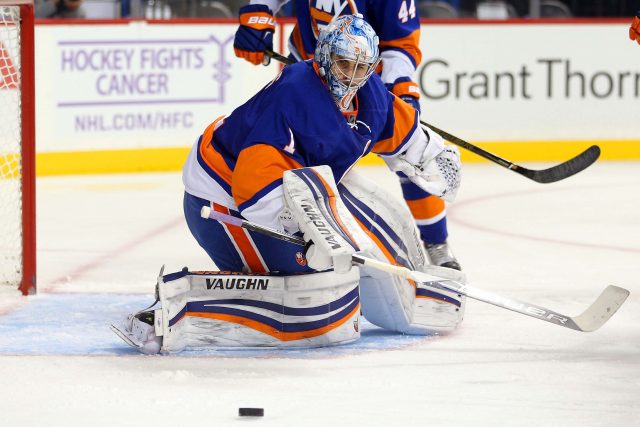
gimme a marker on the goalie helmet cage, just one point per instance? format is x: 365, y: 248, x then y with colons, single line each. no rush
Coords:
x: 17, y: 146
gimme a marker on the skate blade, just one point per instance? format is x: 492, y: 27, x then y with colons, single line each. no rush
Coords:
x: 123, y: 335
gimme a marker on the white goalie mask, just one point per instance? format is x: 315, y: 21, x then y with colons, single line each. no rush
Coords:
x: 347, y: 54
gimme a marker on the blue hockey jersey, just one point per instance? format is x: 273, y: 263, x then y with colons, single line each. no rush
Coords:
x: 396, y: 23
x: 292, y: 122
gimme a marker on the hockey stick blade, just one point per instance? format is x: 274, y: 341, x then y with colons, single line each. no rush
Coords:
x: 596, y: 315
x: 545, y: 176
x: 563, y: 170
x: 591, y: 319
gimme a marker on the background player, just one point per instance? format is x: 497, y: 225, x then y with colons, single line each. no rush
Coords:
x: 397, y: 24
x: 634, y: 30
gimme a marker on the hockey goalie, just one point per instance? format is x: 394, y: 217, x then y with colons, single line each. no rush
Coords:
x: 284, y: 160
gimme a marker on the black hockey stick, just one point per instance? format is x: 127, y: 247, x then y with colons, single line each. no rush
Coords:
x: 591, y: 319
x: 544, y: 176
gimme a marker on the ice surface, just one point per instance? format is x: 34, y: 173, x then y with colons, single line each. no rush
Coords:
x: 102, y: 240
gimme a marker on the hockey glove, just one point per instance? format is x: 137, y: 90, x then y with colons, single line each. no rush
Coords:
x: 255, y: 33
x: 430, y: 165
x: 320, y: 260
x: 406, y: 90
x: 634, y: 30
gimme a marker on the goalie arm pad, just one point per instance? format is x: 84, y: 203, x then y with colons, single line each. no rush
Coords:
x: 331, y: 232
x: 429, y: 164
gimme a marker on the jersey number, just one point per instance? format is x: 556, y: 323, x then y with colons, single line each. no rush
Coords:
x: 405, y: 13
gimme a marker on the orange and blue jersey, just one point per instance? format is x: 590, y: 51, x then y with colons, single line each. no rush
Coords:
x: 293, y: 122
x: 238, y: 162
x: 394, y: 21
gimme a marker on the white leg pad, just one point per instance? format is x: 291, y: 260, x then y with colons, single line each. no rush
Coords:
x: 224, y: 310
x: 387, y: 300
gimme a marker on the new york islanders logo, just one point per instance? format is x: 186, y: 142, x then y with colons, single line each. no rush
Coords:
x: 300, y: 259
x: 323, y: 11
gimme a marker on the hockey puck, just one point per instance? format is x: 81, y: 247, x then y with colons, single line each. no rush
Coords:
x: 251, y: 412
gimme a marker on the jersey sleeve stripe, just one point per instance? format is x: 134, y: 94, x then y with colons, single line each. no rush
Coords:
x: 259, y: 166
x: 404, y: 126
x: 211, y: 158
x: 407, y: 45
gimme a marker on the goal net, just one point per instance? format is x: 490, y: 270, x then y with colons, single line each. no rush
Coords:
x: 17, y: 150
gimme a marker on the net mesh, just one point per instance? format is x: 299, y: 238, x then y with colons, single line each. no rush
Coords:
x: 10, y: 148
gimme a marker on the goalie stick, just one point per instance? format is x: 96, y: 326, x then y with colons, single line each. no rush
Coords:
x: 544, y: 176
x: 591, y: 319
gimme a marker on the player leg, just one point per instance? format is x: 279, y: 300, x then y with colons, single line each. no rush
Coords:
x: 387, y: 300
x: 429, y: 213
x: 233, y: 248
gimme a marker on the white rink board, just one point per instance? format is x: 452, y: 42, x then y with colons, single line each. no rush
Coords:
x: 186, y: 75
x: 136, y: 85
x: 559, y: 81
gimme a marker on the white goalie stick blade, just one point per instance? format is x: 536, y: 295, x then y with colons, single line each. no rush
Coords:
x: 596, y: 315
x: 125, y: 337
x: 591, y: 319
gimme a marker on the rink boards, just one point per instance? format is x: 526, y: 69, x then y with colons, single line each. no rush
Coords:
x: 122, y: 96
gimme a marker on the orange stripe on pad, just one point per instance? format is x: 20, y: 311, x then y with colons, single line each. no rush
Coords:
x: 334, y: 207
x: 279, y: 335
x: 382, y: 247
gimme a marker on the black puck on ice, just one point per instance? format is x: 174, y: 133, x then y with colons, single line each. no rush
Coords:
x: 251, y: 412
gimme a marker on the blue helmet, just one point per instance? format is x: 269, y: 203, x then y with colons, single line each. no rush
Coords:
x: 347, y: 54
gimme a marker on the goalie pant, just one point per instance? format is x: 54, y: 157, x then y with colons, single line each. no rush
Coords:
x: 386, y: 300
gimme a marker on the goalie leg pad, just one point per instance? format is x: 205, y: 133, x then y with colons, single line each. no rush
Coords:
x: 389, y: 301
x: 227, y: 310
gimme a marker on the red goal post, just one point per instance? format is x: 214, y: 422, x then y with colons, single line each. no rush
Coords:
x: 17, y: 146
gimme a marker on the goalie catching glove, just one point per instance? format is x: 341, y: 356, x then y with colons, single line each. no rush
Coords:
x: 430, y: 165
x: 330, y: 231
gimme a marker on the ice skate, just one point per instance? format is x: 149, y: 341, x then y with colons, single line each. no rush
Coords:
x: 139, y: 332
x: 440, y: 254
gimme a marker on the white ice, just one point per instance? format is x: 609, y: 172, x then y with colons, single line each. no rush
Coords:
x: 104, y: 238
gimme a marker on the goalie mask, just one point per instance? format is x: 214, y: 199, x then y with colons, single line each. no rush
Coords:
x: 347, y: 54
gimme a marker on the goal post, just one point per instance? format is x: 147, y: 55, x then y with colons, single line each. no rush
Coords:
x: 17, y: 146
